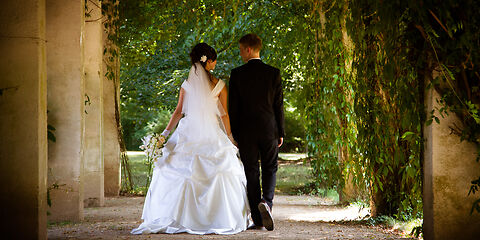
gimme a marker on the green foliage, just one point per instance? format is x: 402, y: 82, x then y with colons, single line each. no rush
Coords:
x: 291, y: 176
x: 156, y: 38
x: 397, y: 46
x: 51, y: 133
x: 354, y: 74
x: 411, y: 227
x: 330, y: 124
x: 319, y: 79
x: 139, y: 172
x: 474, y: 188
x: 295, y: 130
x: 138, y: 123
x: 451, y: 32
x: 417, y: 231
x: 49, y: 199
x: 388, y: 106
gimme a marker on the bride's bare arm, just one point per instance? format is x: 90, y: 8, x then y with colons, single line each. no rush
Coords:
x: 225, y: 118
x: 177, y: 114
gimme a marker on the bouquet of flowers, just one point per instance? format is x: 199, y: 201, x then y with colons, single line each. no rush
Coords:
x: 152, y: 146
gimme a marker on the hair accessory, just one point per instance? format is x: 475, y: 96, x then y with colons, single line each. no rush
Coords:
x: 203, y: 58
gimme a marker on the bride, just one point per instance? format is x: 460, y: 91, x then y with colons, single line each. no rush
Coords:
x: 198, y: 185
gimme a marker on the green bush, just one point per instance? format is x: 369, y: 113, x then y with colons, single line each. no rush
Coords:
x: 138, y: 123
x: 294, y: 141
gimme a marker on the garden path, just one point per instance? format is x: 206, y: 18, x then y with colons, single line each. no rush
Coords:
x: 296, y: 217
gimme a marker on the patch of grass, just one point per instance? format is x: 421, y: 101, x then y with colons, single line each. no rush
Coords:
x: 139, y: 171
x: 292, y: 156
x: 406, y: 227
x: 292, y: 178
x: 58, y: 224
x: 312, y: 189
x: 360, y: 204
x: 293, y: 175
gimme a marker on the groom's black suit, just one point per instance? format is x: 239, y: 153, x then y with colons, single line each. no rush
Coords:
x: 257, y: 122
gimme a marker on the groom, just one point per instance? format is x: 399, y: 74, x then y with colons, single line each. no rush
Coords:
x: 257, y: 122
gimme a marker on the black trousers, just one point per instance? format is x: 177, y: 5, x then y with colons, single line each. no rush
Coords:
x: 250, y: 151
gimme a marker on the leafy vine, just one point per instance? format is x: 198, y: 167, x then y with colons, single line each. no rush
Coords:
x: 355, y: 70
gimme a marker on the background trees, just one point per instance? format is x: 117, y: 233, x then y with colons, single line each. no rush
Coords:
x: 353, y: 74
x: 157, y: 36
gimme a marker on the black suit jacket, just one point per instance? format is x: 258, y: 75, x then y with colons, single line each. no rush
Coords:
x: 255, y: 101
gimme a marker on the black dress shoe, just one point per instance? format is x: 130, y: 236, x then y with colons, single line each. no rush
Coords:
x: 267, y: 218
x: 255, y: 227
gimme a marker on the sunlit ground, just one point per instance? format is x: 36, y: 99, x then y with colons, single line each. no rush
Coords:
x: 291, y: 203
x: 296, y: 217
x: 314, y: 209
x: 304, y: 208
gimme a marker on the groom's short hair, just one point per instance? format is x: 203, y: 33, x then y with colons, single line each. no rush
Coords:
x: 251, y: 40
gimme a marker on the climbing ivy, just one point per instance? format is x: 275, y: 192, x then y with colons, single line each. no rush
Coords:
x: 388, y: 107
x: 329, y: 109
x: 365, y: 111
x: 451, y: 32
x: 397, y: 45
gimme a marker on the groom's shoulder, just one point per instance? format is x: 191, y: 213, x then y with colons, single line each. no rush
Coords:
x: 271, y: 68
x: 240, y: 68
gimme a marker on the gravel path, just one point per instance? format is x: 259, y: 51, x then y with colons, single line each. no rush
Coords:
x: 296, y: 217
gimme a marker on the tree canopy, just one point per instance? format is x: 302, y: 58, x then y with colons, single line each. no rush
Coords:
x: 354, y: 75
x: 157, y: 36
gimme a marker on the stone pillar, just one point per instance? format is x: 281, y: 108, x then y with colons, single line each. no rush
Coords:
x: 111, y: 150
x: 449, y: 168
x: 23, y: 120
x: 66, y: 100
x: 93, y: 165
x: 111, y: 90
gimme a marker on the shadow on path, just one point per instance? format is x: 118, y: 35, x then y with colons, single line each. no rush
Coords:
x: 296, y: 217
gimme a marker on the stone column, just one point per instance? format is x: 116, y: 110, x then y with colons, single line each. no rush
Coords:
x: 449, y: 168
x: 66, y: 100
x: 23, y: 120
x: 111, y: 150
x: 111, y: 90
x: 93, y: 165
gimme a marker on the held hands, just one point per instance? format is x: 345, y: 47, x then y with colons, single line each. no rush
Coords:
x: 230, y: 136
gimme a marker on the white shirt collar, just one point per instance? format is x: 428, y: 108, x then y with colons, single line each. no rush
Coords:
x: 254, y: 58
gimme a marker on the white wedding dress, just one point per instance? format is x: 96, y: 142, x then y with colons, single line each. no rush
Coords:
x: 198, y: 185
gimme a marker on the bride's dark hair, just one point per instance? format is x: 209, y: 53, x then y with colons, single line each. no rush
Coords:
x: 203, y: 49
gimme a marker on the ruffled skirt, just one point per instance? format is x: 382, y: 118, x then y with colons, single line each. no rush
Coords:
x: 198, y: 187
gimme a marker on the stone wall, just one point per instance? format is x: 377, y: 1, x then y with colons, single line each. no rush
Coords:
x: 23, y: 120
x: 449, y: 168
x: 51, y: 52
x: 66, y: 100
x: 111, y: 90
x: 93, y: 164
